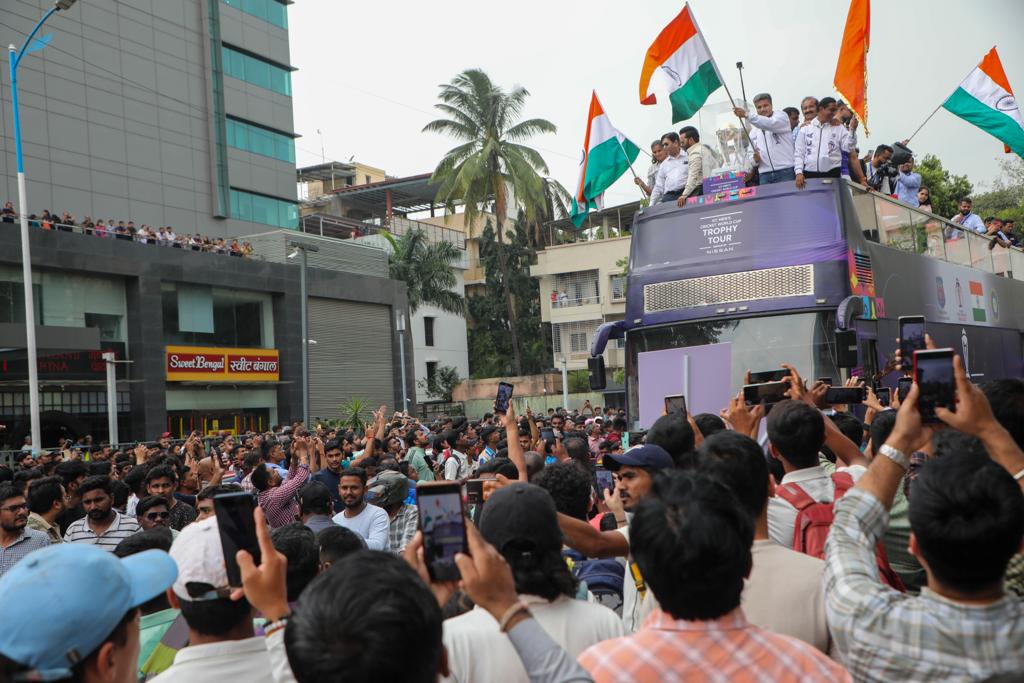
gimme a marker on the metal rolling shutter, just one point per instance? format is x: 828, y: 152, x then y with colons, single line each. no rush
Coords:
x: 351, y: 357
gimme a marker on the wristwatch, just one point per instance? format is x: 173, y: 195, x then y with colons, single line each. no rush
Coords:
x: 896, y: 455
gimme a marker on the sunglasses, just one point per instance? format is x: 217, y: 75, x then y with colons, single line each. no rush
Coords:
x: 153, y: 516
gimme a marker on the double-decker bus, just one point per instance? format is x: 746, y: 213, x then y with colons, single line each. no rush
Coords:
x: 816, y: 278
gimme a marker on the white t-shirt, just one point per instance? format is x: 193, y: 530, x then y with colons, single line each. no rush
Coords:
x: 817, y: 483
x: 372, y: 524
x: 635, y: 607
x: 477, y: 651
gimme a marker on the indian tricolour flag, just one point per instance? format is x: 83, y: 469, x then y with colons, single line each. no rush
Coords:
x: 607, y: 154
x: 679, y: 58
x: 985, y: 99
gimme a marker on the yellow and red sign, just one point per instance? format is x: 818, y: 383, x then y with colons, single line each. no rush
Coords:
x: 220, y: 364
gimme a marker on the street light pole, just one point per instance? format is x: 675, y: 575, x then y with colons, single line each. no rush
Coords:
x: 14, y: 58
x: 400, y: 328
x: 301, y: 249
x: 565, y: 383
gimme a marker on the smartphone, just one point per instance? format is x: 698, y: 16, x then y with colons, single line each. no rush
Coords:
x: 474, y: 498
x: 933, y: 372
x: 845, y: 395
x: 604, y: 479
x: 884, y: 395
x: 911, y: 338
x: 443, y: 523
x: 769, y: 392
x: 675, y: 404
x: 501, y: 401
x: 237, y: 530
x: 825, y: 380
x: 547, y: 434
x: 764, y: 376
x: 903, y: 387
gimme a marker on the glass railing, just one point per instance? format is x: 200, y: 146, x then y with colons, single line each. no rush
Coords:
x: 890, y: 222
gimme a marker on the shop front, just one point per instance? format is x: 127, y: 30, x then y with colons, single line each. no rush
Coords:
x: 216, y: 389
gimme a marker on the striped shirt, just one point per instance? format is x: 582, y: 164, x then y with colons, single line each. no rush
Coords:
x: 725, y: 649
x: 884, y: 635
x: 29, y: 541
x: 279, y: 504
x: 403, y: 527
x: 121, y: 528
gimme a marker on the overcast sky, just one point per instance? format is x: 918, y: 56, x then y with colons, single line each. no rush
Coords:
x: 368, y: 72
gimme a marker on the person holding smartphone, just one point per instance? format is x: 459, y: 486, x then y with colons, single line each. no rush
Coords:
x: 277, y: 495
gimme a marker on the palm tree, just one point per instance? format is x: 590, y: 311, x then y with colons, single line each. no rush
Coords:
x: 490, y: 161
x: 427, y: 269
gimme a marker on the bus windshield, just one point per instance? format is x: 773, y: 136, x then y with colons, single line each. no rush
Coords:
x: 706, y: 360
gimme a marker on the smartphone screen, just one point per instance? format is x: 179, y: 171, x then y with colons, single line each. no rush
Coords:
x: 770, y: 392
x: 763, y: 376
x: 444, y: 528
x: 903, y: 387
x: 933, y: 371
x: 675, y: 404
x: 237, y: 530
x: 547, y: 434
x: 845, y: 395
x: 501, y: 401
x: 884, y: 395
x: 911, y: 338
x: 474, y: 498
x: 604, y: 479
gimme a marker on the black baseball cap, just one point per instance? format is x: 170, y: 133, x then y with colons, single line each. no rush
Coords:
x: 523, y: 513
x: 647, y: 456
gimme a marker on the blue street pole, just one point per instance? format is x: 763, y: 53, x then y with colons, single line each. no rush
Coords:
x: 15, y: 56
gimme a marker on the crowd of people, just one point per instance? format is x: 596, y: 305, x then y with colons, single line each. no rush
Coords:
x: 873, y: 548
x: 783, y: 147
x: 126, y: 230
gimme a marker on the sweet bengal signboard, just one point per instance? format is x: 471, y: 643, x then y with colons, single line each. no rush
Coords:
x: 218, y: 364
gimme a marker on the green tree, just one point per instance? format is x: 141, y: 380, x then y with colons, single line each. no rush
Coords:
x: 444, y: 382
x: 490, y: 341
x: 354, y: 414
x: 1006, y: 198
x: 946, y: 189
x: 490, y: 161
x: 428, y: 271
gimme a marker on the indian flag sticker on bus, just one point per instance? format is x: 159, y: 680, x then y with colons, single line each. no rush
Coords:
x: 978, y: 309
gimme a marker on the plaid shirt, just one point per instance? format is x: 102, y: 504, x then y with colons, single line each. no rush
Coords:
x: 29, y: 541
x: 279, y: 504
x: 726, y: 649
x: 402, y: 528
x: 884, y: 635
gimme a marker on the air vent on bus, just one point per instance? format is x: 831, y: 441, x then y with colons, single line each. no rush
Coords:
x: 754, y: 285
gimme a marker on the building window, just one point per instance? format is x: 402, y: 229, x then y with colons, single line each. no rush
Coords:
x: 618, y: 287
x: 367, y: 179
x: 110, y: 325
x: 256, y: 71
x: 259, y: 140
x: 428, y: 331
x: 270, y: 11
x: 246, y: 206
x: 238, y: 318
x: 573, y: 338
x: 576, y: 289
x: 431, y: 372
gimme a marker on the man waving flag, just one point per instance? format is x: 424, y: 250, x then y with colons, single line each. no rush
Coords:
x: 985, y: 99
x: 607, y: 154
x: 679, y: 58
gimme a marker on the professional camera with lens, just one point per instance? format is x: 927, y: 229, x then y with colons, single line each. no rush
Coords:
x: 883, y: 178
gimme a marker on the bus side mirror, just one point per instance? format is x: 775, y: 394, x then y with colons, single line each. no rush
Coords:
x: 846, y: 348
x: 595, y: 366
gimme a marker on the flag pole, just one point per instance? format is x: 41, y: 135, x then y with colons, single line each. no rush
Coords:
x: 934, y: 112
x: 635, y: 176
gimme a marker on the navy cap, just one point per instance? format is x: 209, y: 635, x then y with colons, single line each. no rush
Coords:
x: 51, y: 641
x: 521, y: 512
x: 648, y: 456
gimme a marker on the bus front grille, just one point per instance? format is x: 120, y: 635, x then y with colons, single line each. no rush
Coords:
x: 754, y: 285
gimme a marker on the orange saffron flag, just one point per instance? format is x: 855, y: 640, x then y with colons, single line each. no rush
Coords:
x: 851, y: 79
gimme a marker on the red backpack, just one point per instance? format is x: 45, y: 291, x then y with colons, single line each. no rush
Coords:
x: 814, y: 520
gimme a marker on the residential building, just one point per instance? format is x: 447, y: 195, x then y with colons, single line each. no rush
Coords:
x: 176, y: 112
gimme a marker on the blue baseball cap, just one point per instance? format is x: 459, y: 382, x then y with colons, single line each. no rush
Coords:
x: 96, y: 591
x: 648, y: 456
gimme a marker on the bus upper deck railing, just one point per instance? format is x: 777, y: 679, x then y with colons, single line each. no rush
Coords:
x: 890, y: 222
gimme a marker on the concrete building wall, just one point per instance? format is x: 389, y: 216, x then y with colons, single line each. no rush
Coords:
x: 118, y: 113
